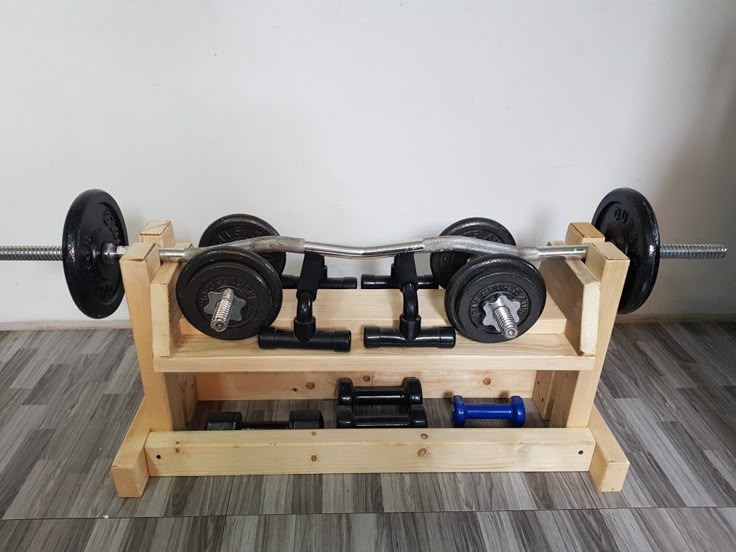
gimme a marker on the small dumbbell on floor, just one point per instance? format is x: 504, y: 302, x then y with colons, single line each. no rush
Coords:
x: 409, y: 392
x: 298, y: 419
x: 413, y: 416
x: 513, y: 410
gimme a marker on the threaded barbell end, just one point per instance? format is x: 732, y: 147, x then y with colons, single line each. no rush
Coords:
x: 223, y: 311
x: 692, y: 251
x: 30, y: 253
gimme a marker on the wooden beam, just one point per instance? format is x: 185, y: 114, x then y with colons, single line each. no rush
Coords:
x: 129, y: 468
x: 159, y: 232
x: 575, y: 391
x: 165, y: 313
x: 577, y: 293
x: 609, y: 466
x: 382, y: 307
x: 199, y: 453
x: 234, y: 386
x: 138, y: 267
x: 542, y: 394
x: 202, y: 354
x: 583, y: 232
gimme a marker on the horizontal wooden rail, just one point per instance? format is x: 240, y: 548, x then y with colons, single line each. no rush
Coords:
x: 368, y: 451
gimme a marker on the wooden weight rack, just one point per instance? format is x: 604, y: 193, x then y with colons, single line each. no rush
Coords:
x: 557, y: 363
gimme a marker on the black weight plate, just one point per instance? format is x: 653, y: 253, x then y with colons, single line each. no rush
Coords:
x: 247, y: 274
x: 242, y: 227
x: 456, y: 284
x: 484, y: 281
x: 93, y: 221
x: 627, y: 220
x: 446, y: 263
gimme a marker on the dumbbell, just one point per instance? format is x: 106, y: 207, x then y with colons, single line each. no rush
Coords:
x: 413, y: 416
x: 513, y: 410
x: 409, y: 392
x: 298, y: 419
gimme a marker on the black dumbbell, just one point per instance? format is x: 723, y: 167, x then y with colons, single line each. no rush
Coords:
x: 413, y: 416
x: 298, y: 419
x: 409, y: 392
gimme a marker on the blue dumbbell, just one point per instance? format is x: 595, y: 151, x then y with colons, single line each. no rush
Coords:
x: 513, y: 410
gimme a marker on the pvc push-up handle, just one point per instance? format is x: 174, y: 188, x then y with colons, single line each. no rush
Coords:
x: 512, y: 410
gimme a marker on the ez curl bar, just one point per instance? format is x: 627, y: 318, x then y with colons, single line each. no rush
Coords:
x: 95, y: 238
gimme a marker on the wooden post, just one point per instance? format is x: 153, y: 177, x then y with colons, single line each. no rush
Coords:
x: 163, y: 408
x: 574, y: 392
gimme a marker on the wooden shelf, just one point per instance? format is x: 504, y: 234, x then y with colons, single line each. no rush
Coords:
x: 544, y: 347
x: 204, y: 354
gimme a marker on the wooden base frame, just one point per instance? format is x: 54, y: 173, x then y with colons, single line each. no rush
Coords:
x: 557, y: 363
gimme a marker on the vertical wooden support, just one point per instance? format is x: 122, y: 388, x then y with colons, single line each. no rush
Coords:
x: 609, y: 466
x: 166, y: 396
x: 543, y: 396
x: 138, y: 266
x: 181, y: 388
x: 165, y: 317
x: 574, y: 392
x: 130, y: 469
x: 577, y: 292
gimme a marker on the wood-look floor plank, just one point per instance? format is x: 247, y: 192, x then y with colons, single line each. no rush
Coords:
x: 668, y: 392
x: 625, y: 530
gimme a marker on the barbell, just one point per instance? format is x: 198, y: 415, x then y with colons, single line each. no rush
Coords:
x: 94, y: 238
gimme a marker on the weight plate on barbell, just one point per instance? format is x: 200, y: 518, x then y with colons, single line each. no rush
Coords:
x: 251, y: 278
x: 481, y: 282
x: 446, y: 263
x: 93, y: 221
x: 627, y: 220
x: 242, y: 227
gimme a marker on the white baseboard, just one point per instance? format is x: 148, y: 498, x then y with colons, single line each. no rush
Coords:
x: 65, y: 325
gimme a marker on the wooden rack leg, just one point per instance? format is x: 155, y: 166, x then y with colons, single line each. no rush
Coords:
x: 574, y: 392
x: 129, y: 469
x: 164, y: 407
x: 609, y: 466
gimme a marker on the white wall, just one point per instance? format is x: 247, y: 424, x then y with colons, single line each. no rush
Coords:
x: 368, y: 122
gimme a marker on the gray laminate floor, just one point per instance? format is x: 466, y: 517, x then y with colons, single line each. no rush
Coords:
x: 668, y: 392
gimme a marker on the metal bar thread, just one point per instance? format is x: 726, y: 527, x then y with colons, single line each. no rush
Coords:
x: 506, y: 322
x: 223, y: 310
x: 692, y: 251
x: 30, y: 253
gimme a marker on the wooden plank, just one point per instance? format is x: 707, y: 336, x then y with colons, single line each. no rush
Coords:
x: 338, y: 308
x: 159, y: 232
x: 165, y: 313
x: 321, y: 385
x: 129, y: 468
x: 583, y: 232
x: 199, y: 453
x: 575, y: 392
x: 577, y: 293
x: 180, y: 387
x: 542, y: 394
x: 609, y: 465
x: 138, y: 267
x: 200, y: 353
